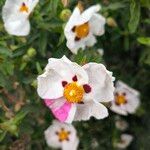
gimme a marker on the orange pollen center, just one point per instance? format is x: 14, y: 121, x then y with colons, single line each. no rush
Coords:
x: 82, y: 30
x: 120, y: 99
x: 24, y: 8
x: 73, y: 92
x: 63, y: 135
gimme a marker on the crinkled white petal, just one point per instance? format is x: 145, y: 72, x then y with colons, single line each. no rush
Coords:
x: 126, y: 139
x: 57, y: 71
x: 101, y: 82
x: 16, y: 22
x: 52, y: 138
x: 67, y: 69
x: 97, y: 24
x: 89, y: 109
x: 50, y: 85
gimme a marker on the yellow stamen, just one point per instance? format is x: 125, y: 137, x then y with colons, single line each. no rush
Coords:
x: 120, y: 99
x: 82, y: 30
x: 63, y: 135
x: 73, y: 92
x: 24, y: 8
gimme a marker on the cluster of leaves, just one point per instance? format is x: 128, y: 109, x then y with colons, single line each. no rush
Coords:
x: 23, y: 117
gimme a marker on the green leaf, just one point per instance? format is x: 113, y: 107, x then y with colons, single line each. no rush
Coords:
x: 114, y: 6
x: 5, y: 51
x: 20, y: 116
x: 2, y: 135
x: 145, y: 3
x: 144, y: 40
x: 145, y: 57
x: 43, y: 43
x: 134, y: 16
x: 38, y: 68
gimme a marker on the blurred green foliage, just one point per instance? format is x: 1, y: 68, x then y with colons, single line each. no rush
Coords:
x: 126, y: 44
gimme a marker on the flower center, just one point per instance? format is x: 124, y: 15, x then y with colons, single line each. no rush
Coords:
x: 24, y: 8
x: 82, y: 30
x: 120, y: 99
x: 63, y: 135
x: 73, y: 92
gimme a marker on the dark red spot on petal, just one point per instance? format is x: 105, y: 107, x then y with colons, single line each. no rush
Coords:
x: 75, y: 79
x: 116, y: 94
x: 124, y: 94
x: 87, y: 88
x: 77, y: 38
x: 23, y: 4
x: 81, y: 103
x: 73, y: 29
x: 64, y: 83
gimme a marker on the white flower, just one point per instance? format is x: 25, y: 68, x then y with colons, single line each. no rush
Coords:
x: 124, y: 142
x: 82, y: 27
x: 61, y: 135
x: 121, y: 124
x: 73, y: 92
x: 15, y: 16
x: 126, y: 99
x: 101, y: 51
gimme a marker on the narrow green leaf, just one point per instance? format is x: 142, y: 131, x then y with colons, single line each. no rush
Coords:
x: 134, y: 16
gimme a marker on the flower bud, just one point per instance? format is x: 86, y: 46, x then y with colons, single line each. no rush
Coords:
x: 34, y: 83
x: 31, y: 52
x: 65, y: 14
x: 25, y: 58
x: 111, y: 22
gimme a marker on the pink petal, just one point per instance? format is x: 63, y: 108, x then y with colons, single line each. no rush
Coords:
x: 61, y: 112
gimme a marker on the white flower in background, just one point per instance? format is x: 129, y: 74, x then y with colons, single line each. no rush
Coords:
x: 73, y: 92
x: 126, y: 99
x: 121, y: 124
x: 82, y: 28
x: 124, y: 142
x: 15, y: 16
x: 61, y: 135
x: 100, y: 51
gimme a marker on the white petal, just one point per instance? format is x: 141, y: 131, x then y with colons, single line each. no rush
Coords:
x: 73, y: 20
x: 71, y: 145
x: 91, y: 41
x: 88, y: 13
x: 32, y: 4
x: 101, y: 82
x: 50, y: 85
x: 89, y: 109
x: 18, y: 27
x: 67, y: 70
x: 118, y: 109
x: 97, y: 23
x: 132, y: 105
